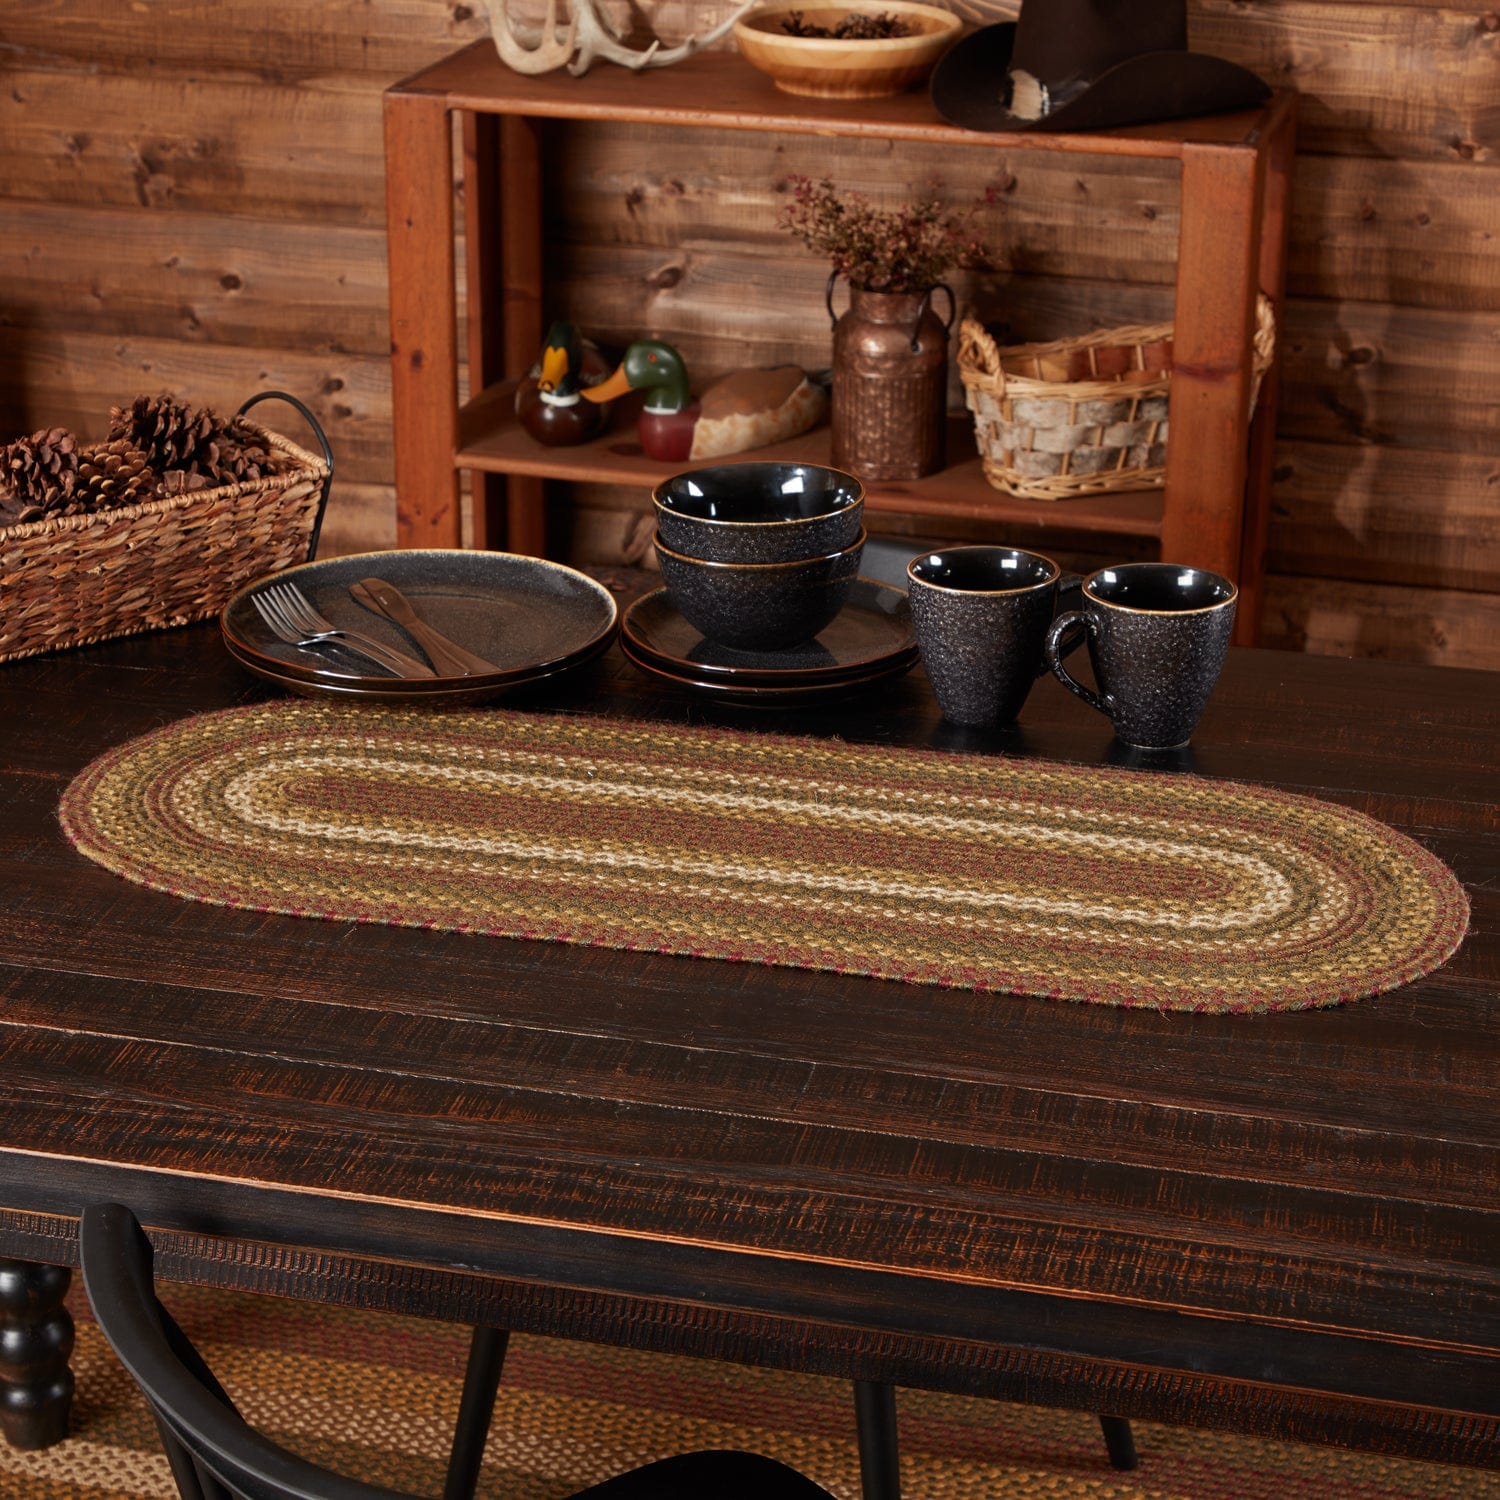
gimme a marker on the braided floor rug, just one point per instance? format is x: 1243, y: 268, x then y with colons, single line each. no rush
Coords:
x: 1124, y: 888
x: 376, y: 1396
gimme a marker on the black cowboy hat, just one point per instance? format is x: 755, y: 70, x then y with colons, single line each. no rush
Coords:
x: 1087, y: 65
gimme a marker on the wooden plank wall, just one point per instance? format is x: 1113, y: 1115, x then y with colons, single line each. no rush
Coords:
x: 191, y: 198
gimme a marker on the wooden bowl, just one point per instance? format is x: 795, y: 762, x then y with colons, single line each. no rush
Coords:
x: 833, y: 68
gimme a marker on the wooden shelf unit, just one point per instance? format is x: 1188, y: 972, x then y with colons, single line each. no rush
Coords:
x: 1236, y: 172
x: 492, y: 441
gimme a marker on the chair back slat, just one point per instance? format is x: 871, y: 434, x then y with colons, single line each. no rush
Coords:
x: 214, y: 1454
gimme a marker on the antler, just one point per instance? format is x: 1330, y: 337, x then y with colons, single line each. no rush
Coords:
x: 530, y: 50
x: 597, y: 38
x: 590, y: 35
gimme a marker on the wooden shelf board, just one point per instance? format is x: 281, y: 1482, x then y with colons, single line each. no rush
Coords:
x: 721, y: 90
x: 491, y: 440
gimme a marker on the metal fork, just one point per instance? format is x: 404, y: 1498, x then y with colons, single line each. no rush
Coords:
x: 289, y: 614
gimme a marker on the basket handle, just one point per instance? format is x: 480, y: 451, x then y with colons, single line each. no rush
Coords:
x: 322, y: 437
x: 976, y: 348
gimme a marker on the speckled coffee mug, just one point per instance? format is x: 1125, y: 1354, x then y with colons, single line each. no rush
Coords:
x: 1158, y: 634
x: 981, y: 616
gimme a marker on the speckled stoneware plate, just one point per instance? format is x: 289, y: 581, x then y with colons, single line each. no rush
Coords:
x: 760, y: 695
x: 450, y: 696
x: 531, y: 618
x: 872, y: 633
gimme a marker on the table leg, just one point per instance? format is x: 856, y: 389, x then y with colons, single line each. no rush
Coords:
x: 1119, y: 1440
x: 879, y: 1442
x: 36, y: 1340
x: 1218, y: 261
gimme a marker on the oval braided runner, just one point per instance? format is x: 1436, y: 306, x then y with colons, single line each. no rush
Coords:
x: 1120, y: 887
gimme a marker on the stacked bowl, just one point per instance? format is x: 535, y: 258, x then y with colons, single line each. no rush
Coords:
x: 759, y: 556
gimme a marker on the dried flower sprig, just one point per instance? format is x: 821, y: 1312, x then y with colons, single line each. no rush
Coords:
x: 904, y: 249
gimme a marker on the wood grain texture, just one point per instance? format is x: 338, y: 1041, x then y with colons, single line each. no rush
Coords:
x: 200, y: 142
x: 523, y: 265
x: 74, y: 378
x: 1345, y: 58
x: 1418, y: 233
x: 483, y: 316
x: 1421, y: 234
x: 1289, y: 1232
x: 1366, y: 374
x: 244, y: 39
x: 1214, y: 311
x: 359, y: 518
x: 1340, y: 618
x: 1414, y: 517
x: 223, y: 280
x: 424, y: 316
x: 1377, y: 80
x: 243, y: 140
x: 1270, y: 282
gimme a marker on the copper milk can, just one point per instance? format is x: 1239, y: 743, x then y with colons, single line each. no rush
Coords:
x: 890, y: 383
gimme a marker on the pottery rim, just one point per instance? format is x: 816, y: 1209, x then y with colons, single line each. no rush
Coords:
x: 1024, y: 588
x: 944, y: 24
x: 1135, y: 609
x: 771, y: 567
x: 856, y: 498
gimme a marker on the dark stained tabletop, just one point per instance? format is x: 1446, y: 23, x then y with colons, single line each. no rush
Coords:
x: 1281, y: 1223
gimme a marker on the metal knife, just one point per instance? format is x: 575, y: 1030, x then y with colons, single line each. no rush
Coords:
x: 448, y: 658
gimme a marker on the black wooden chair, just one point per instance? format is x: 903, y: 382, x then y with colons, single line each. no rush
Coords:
x: 216, y: 1455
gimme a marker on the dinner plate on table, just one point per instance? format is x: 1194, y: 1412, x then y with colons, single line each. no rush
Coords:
x: 753, y: 695
x: 529, y: 617
x: 870, y: 638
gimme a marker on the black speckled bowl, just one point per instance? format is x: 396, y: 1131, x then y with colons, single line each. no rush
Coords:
x: 760, y: 606
x: 759, y: 512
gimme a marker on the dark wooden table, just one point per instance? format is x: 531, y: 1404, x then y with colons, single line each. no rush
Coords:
x: 1284, y: 1225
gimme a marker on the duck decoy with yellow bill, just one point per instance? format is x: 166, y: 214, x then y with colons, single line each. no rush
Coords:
x: 747, y: 409
x: 547, y: 400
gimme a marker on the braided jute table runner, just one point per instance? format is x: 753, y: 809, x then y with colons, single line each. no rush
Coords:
x: 1119, y: 887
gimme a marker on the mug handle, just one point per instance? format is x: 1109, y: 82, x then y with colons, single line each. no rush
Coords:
x: 1065, y: 583
x: 1055, y: 650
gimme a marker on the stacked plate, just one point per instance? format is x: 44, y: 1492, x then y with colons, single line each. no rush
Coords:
x: 868, y: 641
x: 528, y: 618
x: 762, y: 600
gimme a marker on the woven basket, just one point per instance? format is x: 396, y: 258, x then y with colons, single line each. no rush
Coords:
x: 1080, y: 416
x: 76, y: 579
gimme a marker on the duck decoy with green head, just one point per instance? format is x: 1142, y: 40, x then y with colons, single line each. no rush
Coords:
x: 548, y: 403
x: 746, y: 409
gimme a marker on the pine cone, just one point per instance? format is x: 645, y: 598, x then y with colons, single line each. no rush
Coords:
x: 192, y: 448
x: 113, y: 474
x: 168, y: 433
x: 180, y: 481
x: 38, y: 475
x: 236, y: 452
